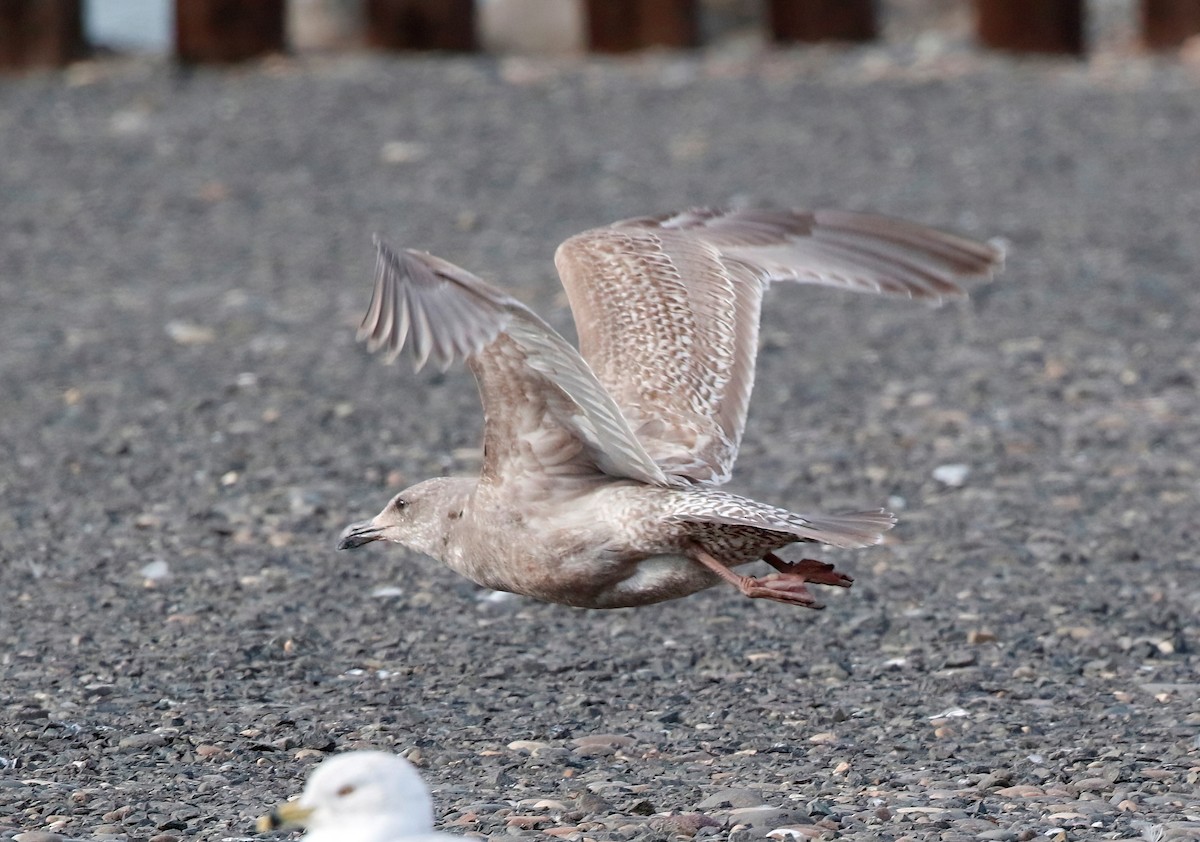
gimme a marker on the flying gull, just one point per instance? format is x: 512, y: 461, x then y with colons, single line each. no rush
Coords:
x: 601, y: 467
x: 361, y: 796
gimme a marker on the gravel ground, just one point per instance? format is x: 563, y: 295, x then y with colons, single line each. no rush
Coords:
x: 188, y: 423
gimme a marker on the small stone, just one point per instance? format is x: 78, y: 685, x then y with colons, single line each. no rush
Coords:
x: 953, y: 475
x: 993, y: 780
x: 140, y: 742
x: 960, y: 659
x: 156, y: 571
x: 732, y: 797
x: 796, y: 832
x: 686, y: 824
x: 186, y: 333
x: 603, y: 740
x: 525, y: 821
x: 595, y: 751
x: 592, y: 804
x: 403, y: 151
x: 762, y: 816
x: 117, y: 815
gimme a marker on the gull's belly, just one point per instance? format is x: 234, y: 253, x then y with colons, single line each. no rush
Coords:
x: 661, y: 577
x: 602, y: 580
x: 624, y: 583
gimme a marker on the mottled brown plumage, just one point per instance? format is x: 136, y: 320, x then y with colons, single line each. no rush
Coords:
x: 598, y: 481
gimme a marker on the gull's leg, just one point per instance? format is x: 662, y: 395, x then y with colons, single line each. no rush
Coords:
x: 817, y: 572
x: 780, y: 587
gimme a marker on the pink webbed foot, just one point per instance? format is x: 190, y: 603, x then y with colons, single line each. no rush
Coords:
x: 790, y: 588
x: 816, y: 572
x: 780, y: 587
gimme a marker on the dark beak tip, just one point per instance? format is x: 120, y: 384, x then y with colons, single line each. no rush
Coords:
x: 350, y: 542
x: 353, y: 538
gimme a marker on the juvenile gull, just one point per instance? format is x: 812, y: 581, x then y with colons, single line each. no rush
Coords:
x: 600, y: 466
x: 361, y: 796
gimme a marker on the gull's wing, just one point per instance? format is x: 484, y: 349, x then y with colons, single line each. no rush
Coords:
x: 545, y: 412
x: 667, y: 308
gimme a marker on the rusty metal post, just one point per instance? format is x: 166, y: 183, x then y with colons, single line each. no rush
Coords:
x: 1031, y: 26
x: 810, y: 21
x: 619, y: 26
x: 421, y: 25
x: 222, y: 31
x: 1168, y: 23
x: 40, y: 33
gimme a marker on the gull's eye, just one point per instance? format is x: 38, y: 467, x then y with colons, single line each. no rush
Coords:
x: 348, y: 789
x: 399, y: 505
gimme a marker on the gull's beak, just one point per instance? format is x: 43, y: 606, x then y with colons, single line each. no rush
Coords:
x: 357, y: 534
x: 287, y: 814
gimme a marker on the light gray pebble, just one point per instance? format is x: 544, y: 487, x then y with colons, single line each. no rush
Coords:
x: 731, y: 797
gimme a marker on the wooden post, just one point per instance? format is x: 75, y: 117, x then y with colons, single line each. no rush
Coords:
x: 810, y: 21
x: 222, y: 31
x: 1031, y: 26
x: 1168, y: 23
x: 40, y: 33
x: 421, y: 25
x: 619, y: 26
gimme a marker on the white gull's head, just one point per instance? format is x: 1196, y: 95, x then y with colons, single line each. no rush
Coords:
x: 360, y: 796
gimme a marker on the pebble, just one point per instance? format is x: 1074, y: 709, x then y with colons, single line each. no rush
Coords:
x: 525, y: 821
x: 953, y: 475
x: 732, y: 797
x: 687, y: 824
x: 796, y: 832
x: 1021, y: 791
x: 140, y: 742
x: 603, y: 740
x: 993, y: 779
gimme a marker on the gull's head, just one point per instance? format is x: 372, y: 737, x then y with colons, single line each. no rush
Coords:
x: 371, y: 796
x: 420, y: 517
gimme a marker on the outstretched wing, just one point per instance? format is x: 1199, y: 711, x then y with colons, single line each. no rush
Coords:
x: 667, y: 308
x: 545, y: 411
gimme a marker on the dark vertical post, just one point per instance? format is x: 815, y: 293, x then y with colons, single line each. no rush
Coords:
x: 1168, y: 23
x: 40, y: 33
x: 219, y: 31
x: 619, y: 26
x: 421, y: 25
x: 1031, y: 26
x: 810, y: 21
